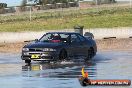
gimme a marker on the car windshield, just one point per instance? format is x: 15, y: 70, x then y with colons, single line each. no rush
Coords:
x: 55, y: 38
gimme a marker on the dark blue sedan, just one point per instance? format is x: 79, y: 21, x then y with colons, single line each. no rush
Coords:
x: 54, y: 46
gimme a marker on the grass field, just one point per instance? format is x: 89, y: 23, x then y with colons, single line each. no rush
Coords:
x: 89, y: 18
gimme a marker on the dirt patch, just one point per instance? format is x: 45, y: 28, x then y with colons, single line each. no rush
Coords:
x: 114, y: 44
x: 11, y: 47
x: 104, y: 44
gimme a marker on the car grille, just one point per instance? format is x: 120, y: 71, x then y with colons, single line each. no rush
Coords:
x: 36, y: 49
x: 47, y: 57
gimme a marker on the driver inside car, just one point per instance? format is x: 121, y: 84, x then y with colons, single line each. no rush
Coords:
x: 56, y: 38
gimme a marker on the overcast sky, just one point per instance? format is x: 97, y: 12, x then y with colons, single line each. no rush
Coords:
x: 18, y: 2
x: 11, y: 2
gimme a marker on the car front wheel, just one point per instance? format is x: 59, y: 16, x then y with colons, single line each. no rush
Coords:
x: 63, y: 55
x: 27, y: 61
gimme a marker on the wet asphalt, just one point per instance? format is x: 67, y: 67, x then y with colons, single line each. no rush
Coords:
x: 105, y: 65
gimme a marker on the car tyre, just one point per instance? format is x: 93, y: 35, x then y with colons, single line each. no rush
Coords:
x: 27, y: 61
x: 90, y: 54
x: 63, y: 55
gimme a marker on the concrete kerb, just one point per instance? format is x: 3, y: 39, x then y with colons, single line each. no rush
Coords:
x: 19, y: 36
x: 99, y: 33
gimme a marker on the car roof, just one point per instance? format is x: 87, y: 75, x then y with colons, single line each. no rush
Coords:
x: 63, y: 32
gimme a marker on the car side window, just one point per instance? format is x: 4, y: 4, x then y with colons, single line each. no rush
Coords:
x: 45, y: 38
x: 64, y: 38
x: 74, y: 39
x: 81, y: 38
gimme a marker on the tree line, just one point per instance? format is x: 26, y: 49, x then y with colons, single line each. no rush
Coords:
x: 41, y: 2
x: 44, y: 2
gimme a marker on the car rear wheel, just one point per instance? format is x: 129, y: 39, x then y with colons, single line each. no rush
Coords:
x: 90, y: 54
x: 27, y: 61
x: 63, y: 55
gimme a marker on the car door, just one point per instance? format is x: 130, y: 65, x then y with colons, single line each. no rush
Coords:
x: 85, y: 47
x: 75, y: 45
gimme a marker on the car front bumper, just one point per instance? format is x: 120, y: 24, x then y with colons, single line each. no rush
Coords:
x: 40, y: 56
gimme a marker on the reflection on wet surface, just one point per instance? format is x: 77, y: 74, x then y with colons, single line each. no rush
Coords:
x: 105, y: 65
x: 59, y: 70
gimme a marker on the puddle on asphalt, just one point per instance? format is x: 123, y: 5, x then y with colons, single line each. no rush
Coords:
x: 105, y: 65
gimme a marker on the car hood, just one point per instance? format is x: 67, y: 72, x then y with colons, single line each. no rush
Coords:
x: 42, y: 45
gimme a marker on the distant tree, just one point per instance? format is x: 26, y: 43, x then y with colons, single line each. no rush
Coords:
x: 114, y: 1
x: 43, y: 2
x: 24, y: 2
x: 3, y: 5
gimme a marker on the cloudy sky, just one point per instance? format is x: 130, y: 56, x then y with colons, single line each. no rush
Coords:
x: 18, y: 2
x: 11, y: 2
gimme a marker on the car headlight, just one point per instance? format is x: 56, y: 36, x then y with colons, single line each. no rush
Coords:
x: 25, y: 49
x: 49, y: 49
